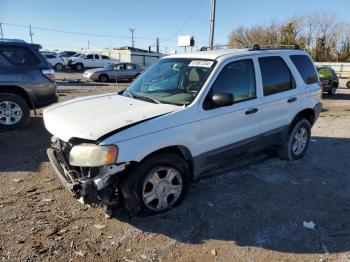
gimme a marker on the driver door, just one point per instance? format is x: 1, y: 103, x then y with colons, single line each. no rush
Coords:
x: 228, y: 129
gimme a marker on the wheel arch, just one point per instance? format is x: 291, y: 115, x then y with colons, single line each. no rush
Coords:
x: 18, y: 91
x: 179, y: 150
x: 307, y: 113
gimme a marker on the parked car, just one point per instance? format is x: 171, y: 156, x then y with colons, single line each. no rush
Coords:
x: 27, y: 82
x: 55, y: 61
x: 115, y: 72
x: 329, y: 80
x: 67, y: 54
x: 180, y: 118
x: 89, y: 61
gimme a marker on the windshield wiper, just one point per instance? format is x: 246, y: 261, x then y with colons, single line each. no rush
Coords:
x: 152, y: 99
x: 142, y: 97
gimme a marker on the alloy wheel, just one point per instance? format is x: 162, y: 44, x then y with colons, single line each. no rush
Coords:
x: 299, y: 141
x: 162, y: 187
x: 10, y: 113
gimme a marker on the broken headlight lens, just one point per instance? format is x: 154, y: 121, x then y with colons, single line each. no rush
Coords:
x: 90, y: 155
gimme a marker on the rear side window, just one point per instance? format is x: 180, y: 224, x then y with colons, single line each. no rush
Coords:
x: 90, y: 57
x: 105, y: 57
x: 305, y: 68
x: 130, y: 67
x: 237, y: 78
x: 19, y: 55
x: 276, y: 75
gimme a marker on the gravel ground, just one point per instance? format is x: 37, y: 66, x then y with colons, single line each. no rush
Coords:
x: 254, y: 212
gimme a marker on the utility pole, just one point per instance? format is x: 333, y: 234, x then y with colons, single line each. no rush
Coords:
x: 212, y: 22
x: 31, y: 34
x: 2, y: 35
x: 132, y: 36
x: 157, y: 44
x: 88, y: 44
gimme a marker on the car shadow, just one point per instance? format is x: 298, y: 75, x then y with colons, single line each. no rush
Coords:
x: 265, y: 204
x: 337, y: 96
x: 24, y: 149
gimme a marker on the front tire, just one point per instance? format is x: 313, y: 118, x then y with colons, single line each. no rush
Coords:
x: 297, y: 141
x: 103, y: 78
x: 14, y: 112
x: 157, y: 184
x: 348, y: 84
x: 59, y: 67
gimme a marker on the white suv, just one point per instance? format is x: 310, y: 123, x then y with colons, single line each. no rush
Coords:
x: 182, y: 116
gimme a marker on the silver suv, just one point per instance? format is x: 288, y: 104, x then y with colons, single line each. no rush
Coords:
x: 27, y: 82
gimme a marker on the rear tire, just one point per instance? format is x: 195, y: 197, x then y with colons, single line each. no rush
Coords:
x: 333, y: 90
x: 14, y: 112
x: 348, y: 84
x: 156, y: 185
x: 103, y: 78
x: 59, y: 67
x: 297, y: 141
x: 79, y: 67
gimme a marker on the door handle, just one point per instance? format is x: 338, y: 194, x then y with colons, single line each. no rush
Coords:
x: 251, y: 111
x: 292, y: 99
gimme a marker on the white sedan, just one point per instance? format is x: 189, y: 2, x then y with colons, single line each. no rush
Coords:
x: 55, y: 61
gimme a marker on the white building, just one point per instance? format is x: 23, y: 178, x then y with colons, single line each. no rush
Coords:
x: 128, y: 54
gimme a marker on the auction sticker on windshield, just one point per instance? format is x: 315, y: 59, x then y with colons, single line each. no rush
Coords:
x: 201, y: 63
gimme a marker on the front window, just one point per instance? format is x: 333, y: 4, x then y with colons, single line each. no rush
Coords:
x: 173, y: 81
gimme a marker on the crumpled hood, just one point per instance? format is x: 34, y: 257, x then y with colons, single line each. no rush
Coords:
x: 94, y: 116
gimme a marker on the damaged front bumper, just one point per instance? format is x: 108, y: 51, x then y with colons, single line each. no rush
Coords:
x: 101, y: 187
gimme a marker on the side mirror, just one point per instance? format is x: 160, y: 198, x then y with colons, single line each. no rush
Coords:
x: 223, y: 99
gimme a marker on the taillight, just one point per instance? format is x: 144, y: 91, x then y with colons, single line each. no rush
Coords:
x: 321, y: 88
x: 49, y: 74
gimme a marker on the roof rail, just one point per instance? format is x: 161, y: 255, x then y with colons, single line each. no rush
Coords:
x: 216, y: 47
x: 265, y: 47
x: 12, y: 40
x: 250, y: 47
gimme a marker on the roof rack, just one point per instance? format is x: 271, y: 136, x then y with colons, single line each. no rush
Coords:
x: 12, y: 40
x: 216, y: 47
x: 265, y: 47
x: 250, y: 47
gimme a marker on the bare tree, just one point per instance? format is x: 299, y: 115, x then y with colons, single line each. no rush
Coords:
x: 320, y: 33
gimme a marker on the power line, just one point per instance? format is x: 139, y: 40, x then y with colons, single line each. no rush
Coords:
x: 188, y: 20
x: 108, y: 36
x: 84, y: 33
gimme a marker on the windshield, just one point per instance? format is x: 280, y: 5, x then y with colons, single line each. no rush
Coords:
x: 173, y: 81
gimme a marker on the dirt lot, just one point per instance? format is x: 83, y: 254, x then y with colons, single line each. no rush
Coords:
x: 251, y: 213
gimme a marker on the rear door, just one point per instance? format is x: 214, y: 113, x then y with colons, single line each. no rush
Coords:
x: 281, y: 97
x: 130, y: 70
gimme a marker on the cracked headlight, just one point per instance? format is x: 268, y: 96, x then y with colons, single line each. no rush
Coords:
x: 90, y: 155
